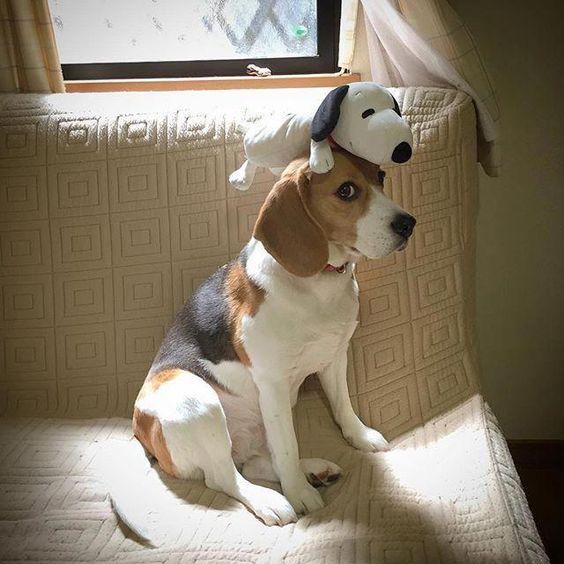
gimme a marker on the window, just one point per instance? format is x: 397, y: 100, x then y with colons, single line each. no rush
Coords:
x: 117, y: 39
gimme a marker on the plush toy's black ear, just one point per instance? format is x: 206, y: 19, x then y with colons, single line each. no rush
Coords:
x: 396, y: 106
x: 327, y: 115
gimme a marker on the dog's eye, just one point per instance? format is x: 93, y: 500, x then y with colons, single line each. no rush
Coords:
x: 368, y: 112
x: 347, y: 192
x: 381, y: 176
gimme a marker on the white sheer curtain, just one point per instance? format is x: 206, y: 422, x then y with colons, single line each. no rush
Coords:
x: 347, y: 30
x: 424, y: 42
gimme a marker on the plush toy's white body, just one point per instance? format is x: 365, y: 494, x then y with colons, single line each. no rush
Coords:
x: 363, y: 118
x: 274, y: 144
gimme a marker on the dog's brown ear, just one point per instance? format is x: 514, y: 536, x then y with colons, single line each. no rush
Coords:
x: 287, y: 230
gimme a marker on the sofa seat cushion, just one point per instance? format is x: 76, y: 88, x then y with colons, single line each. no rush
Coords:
x: 445, y: 492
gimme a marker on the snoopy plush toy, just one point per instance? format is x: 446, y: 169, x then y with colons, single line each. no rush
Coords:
x: 362, y: 118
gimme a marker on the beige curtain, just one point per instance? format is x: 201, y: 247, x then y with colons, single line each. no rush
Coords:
x: 29, y: 60
x: 424, y: 42
x: 442, y: 28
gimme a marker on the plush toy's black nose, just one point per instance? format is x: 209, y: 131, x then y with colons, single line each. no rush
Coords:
x: 403, y: 224
x: 402, y: 153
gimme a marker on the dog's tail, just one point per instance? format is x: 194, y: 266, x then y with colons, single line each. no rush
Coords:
x: 125, y: 468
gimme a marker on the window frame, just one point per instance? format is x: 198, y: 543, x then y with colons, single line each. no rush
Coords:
x: 328, y: 19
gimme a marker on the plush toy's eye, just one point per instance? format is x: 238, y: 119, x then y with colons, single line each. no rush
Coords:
x: 347, y: 192
x: 381, y: 176
x: 368, y: 112
x: 396, y: 107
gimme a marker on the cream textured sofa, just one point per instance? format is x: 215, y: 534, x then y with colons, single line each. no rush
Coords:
x: 113, y: 208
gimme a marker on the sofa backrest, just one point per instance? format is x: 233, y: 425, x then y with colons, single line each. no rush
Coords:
x: 114, y: 207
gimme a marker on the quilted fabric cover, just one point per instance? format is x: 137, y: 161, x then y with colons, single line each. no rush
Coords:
x: 113, y: 208
x: 447, y: 492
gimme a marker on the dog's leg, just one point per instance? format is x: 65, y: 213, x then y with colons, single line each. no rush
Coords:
x: 276, y: 409
x: 317, y: 471
x: 259, y: 468
x: 243, y: 177
x: 334, y: 382
x: 194, y: 427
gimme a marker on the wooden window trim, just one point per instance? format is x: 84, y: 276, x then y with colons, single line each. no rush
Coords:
x: 212, y: 83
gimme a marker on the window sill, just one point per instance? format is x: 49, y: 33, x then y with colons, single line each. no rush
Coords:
x: 212, y: 83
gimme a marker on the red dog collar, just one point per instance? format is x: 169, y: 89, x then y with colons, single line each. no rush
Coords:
x: 339, y: 269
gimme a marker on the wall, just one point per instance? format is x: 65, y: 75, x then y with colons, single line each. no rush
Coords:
x: 520, y: 262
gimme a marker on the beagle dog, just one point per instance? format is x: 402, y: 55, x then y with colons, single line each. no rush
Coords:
x: 217, y: 401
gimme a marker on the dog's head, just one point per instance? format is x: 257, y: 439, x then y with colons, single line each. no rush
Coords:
x: 304, y: 212
x: 364, y: 119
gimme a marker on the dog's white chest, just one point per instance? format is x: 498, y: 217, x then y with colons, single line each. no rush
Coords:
x: 301, y: 337
x: 316, y: 347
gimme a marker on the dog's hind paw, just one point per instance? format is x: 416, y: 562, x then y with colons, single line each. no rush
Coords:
x: 320, y: 472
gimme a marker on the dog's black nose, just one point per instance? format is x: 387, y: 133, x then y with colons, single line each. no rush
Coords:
x: 403, y: 225
x: 402, y: 153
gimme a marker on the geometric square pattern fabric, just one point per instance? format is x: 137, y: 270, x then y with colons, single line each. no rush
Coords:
x: 447, y: 492
x: 115, y: 207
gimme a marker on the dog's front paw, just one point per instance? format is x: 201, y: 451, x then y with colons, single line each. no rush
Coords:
x: 268, y: 505
x: 303, y: 497
x: 367, y: 439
